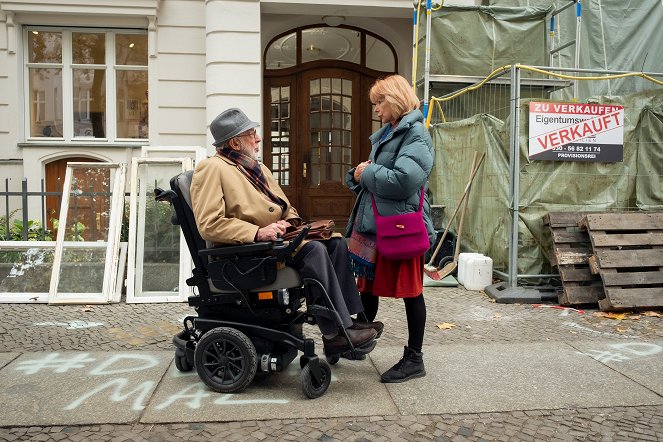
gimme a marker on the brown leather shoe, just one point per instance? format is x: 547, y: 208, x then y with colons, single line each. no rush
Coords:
x: 376, y: 325
x: 339, y: 343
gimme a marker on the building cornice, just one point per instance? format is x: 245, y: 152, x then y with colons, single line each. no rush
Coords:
x: 124, y: 8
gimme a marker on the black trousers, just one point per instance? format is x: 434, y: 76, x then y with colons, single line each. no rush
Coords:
x: 328, y: 262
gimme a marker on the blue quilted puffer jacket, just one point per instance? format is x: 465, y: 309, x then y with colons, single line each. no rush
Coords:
x: 401, y: 165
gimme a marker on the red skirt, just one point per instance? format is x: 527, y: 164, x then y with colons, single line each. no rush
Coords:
x: 395, y: 279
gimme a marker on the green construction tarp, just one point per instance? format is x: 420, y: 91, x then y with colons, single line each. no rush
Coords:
x: 615, y: 35
x: 636, y: 183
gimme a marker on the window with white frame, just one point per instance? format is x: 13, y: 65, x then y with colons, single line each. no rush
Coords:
x: 86, y: 84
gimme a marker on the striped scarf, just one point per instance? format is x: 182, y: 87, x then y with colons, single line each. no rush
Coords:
x: 250, y: 167
x: 363, y: 253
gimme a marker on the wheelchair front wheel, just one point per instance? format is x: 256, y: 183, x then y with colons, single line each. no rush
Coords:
x: 182, y: 364
x: 333, y: 359
x: 226, y: 360
x: 311, y: 388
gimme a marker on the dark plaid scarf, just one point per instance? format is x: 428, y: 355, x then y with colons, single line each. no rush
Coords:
x: 253, y: 172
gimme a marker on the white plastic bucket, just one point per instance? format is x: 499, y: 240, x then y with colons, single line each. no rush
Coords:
x: 479, y: 273
x: 463, y: 258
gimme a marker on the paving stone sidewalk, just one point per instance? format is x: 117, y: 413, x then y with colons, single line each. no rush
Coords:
x: 465, y: 317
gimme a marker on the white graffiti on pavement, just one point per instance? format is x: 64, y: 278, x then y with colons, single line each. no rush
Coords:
x: 143, y: 390
x: 119, y: 389
x: 59, y: 364
x: 624, y: 351
x: 71, y: 325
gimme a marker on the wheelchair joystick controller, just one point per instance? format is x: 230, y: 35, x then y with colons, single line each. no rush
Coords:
x: 278, y: 242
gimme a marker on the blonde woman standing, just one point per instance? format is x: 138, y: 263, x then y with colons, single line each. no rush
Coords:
x: 395, y: 174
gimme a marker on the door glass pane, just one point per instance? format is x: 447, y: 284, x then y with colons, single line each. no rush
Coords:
x: 282, y: 53
x: 280, y: 133
x: 379, y: 56
x: 89, y: 110
x: 88, y: 48
x: 330, y: 130
x: 331, y: 43
x: 46, y: 102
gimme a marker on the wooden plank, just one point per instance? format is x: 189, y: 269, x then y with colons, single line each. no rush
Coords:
x: 567, y: 237
x: 581, y: 294
x: 562, y: 219
x: 632, y: 278
x: 623, y: 221
x: 603, y: 239
x: 571, y: 273
x: 640, y: 297
x: 571, y: 255
x: 629, y: 258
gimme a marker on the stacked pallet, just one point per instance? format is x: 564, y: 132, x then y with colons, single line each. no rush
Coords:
x: 570, y: 253
x: 627, y: 253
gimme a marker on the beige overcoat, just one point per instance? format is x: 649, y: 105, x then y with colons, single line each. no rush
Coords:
x: 228, y: 208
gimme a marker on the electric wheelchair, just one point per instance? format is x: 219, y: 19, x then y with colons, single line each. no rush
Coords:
x: 250, y: 309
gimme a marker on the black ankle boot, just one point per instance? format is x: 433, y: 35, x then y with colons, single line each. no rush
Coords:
x: 409, y: 367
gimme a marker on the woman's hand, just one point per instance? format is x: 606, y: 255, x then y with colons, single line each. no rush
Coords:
x: 360, y: 169
x: 272, y: 231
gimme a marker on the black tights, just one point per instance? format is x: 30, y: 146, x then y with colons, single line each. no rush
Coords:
x: 415, y: 311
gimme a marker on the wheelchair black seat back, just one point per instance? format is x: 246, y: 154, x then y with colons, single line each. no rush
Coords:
x: 248, y: 305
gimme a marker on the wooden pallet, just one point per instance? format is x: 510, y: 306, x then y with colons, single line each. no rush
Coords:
x: 570, y: 254
x: 628, y: 255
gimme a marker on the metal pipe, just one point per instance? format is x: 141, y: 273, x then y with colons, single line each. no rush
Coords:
x: 568, y: 5
x: 7, y: 236
x: 43, y: 210
x: 504, y: 276
x: 24, y: 202
x: 414, y: 45
x: 552, y: 39
x: 564, y: 46
x: 427, y: 59
x: 596, y: 71
x: 577, y: 58
x: 514, y: 163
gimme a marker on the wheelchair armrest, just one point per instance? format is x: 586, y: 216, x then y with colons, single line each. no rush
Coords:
x: 244, y: 249
x: 281, y: 249
x: 163, y: 195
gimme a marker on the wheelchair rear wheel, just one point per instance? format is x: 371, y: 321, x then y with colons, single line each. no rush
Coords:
x: 226, y: 360
x: 311, y: 388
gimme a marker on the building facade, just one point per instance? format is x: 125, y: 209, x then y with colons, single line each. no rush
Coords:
x: 96, y: 80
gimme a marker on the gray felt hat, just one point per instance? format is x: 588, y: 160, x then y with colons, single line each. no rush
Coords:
x: 228, y: 124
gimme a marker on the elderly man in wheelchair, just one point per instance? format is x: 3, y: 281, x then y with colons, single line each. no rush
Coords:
x: 250, y: 282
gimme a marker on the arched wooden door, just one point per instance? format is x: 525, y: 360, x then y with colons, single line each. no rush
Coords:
x: 317, y: 113
x: 55, y: 172
x: 320, y: 123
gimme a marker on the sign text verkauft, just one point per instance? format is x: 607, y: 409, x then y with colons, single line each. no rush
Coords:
x: 576, y: 132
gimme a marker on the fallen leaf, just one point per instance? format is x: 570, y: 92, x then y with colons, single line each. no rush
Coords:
x: 445, y: 326
x: 653, y: 314
x: 610, y: 315
x: 497, y: 316
x: 621, y: 330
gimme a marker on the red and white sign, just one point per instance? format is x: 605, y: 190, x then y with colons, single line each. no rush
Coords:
x: 576, y: 132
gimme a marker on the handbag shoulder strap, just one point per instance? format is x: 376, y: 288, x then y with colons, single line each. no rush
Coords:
x: 375, y: 208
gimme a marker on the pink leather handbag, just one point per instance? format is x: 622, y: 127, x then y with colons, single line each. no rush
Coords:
x: 402, y: 236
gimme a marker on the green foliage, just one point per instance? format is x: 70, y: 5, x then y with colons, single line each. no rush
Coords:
x: 75, y: 231
x: 36, y: 232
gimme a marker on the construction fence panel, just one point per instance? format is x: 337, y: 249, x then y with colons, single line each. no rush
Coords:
x: 481, y: 120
